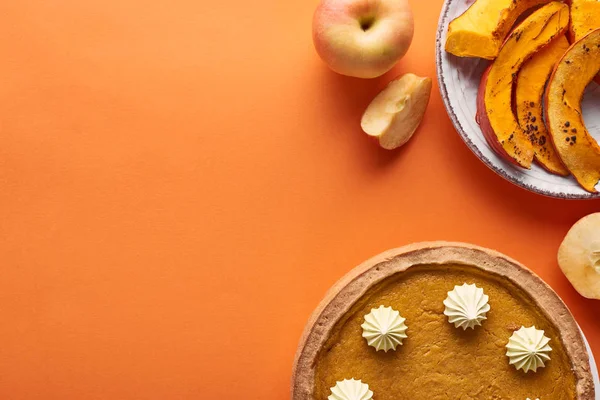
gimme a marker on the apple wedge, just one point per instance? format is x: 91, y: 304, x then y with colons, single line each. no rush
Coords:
x: 579, y: 256
x: 395, y: 114
x: 495, y: 110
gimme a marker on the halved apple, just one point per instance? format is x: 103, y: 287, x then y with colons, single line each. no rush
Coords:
x: 529, y: 91
x: 481, y: 30
x: 579, y: 256
x: 576, y: 147
x: 395, y: 114
x: 495, y: 112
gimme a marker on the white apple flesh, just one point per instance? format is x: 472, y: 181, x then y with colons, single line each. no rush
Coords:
x: 395, y: 114
x: 579, y: 256
x: 362, y: 38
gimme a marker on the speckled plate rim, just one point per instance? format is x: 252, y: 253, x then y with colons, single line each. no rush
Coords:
x: 439, y: 49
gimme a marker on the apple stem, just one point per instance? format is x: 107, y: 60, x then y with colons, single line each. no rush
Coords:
x: 366, y: 23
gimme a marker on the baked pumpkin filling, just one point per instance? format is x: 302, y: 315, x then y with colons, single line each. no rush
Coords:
x: 438, y: 360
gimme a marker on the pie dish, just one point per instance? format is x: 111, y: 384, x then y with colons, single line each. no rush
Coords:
x: 437, y: 360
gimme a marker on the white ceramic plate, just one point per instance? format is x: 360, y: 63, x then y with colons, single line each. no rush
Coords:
x: 459, y: 79
x: 593, y: 367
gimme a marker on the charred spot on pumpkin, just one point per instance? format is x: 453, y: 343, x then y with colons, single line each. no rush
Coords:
x: 543, y: 140
x: 567, y: 124
x: 533, y: 139
x: 518, y: 35
x: 532, y: 104
x: 568, y: 139
x: 574, y: 130
x: 573, y: 139
x: 533, y: 119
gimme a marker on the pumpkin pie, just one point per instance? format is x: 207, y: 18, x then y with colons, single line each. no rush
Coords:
x: 430, y: 357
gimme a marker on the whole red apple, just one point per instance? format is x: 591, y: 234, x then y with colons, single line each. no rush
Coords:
x: 362, y: 38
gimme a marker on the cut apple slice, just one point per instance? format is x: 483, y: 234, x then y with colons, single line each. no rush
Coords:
x: 395, y: 114
x: 579, y: 256
x: 495, y: 109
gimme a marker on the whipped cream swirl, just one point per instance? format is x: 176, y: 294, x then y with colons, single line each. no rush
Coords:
x: 350, y: 389
x: 466, y: 306
x: 384, y: 328
x: 528, y: 349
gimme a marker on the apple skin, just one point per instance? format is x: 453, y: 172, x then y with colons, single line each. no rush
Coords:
x: 484, y: 121
x: 362, y: 38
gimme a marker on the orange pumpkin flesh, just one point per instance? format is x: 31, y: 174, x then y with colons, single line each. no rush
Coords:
x: 576, y: 147
x: 585, y: 17
x: 495, y: 111
x: 481, y: 30
x: 531, y: 83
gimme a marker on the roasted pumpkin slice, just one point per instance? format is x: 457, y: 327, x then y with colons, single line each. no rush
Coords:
x: 481, y: 30
x: 531, y: 84
x: 576, y: 147
x: 585, y: 17
x: 495, y: 110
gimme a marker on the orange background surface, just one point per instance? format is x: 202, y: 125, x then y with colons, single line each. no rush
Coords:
x: 182, y: 181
